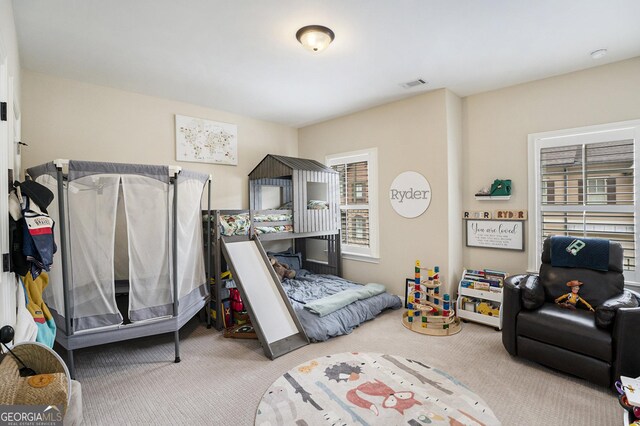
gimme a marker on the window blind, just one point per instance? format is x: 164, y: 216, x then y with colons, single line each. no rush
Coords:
x: 354, y: 202
x: 588, y: 190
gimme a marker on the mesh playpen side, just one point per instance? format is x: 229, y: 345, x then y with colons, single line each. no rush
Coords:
x: 140, y: 219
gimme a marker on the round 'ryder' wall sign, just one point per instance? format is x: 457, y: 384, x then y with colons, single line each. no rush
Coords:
x: 410, y: 194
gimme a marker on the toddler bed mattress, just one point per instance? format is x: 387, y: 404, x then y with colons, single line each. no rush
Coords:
x: 308, y: 287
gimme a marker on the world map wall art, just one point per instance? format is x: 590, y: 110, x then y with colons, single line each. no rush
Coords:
x: 205, y: 141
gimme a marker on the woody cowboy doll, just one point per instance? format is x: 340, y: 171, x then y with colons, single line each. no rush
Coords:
x: 572, y: 298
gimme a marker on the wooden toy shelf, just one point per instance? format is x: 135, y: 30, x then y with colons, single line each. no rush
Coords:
x: 483, y: 301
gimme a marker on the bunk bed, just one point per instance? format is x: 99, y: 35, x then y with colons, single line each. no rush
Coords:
x: 307, y: 209
x: 158, y: 207
x: 267, y: 225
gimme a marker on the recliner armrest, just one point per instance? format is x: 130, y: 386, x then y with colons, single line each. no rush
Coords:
x: 606, y: 312
x: 532, y: 292
x: 511, y: 306
x: 514, y: 282
x: 626, y: 330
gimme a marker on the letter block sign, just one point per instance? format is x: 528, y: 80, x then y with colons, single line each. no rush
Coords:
x: 410, y: 194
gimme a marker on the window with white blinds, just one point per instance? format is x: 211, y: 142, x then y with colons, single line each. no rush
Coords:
x: 586, y: 185
x: 358, y: 204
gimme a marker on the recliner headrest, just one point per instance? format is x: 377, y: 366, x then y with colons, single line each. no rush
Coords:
x: 616, y: 255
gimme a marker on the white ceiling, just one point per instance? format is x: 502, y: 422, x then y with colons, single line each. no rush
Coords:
x: 242, y: 56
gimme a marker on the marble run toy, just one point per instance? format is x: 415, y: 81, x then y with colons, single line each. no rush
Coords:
x: 428, y: 311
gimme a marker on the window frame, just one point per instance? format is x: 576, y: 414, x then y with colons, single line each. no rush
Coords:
x: 580, y: 136
x: 372, y: 253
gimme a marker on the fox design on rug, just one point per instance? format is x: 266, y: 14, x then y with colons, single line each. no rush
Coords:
x: 397, y: 400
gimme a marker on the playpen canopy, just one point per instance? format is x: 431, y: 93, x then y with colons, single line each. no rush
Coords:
x: 100, y: 197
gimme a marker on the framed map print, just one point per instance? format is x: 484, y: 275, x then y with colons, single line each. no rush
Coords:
x: 205, y: 141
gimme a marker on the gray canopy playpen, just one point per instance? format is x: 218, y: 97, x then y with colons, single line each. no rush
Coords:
x: 124, y: 229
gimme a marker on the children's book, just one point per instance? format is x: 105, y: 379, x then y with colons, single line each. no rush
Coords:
x: 632, y: 390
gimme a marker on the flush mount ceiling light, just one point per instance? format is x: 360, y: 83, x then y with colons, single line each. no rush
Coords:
x: 597, y: 54
x: 315, y: 38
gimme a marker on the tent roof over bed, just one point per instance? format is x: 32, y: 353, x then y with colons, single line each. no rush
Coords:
x: 273, y: 166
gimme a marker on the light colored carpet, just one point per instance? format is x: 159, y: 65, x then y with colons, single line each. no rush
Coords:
x: 220, y: 381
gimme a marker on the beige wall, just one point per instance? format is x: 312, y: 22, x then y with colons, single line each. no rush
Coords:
x: 461, y: 146
x: 73, y: 120
x: 431, y: 133
x: 496, y: 125
x: 410, y: 135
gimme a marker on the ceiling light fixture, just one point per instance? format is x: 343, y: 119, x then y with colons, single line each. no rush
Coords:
x: 315, y: 38
x: 597, y: 54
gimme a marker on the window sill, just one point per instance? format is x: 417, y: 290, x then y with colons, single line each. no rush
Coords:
x: 360, y: 257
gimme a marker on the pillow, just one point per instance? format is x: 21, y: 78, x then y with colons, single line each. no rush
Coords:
x: 287, y: 251
x: 234, y: 224
x: 606, y: 312
x: 532, y: 292
x: 294, y: 261
x: 317, y: 205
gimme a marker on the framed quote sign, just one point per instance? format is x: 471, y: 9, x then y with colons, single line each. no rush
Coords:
x: 498, y: 234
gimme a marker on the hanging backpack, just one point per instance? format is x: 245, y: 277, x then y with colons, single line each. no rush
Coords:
x: 28, y: 208
x: 38, y: 243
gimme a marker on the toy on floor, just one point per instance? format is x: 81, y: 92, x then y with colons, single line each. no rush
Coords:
x: 428, y: 312
x: 629, y: 397
x: 572, y: 298
x: 240, y: 331
x: 485, y: 308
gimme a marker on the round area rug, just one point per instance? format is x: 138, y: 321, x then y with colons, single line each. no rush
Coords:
x: 367, y: 389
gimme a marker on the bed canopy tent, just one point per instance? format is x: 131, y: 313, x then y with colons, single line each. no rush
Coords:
x: 159, y: 206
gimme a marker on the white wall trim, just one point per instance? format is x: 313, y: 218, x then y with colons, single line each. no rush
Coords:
x: 360, y: 258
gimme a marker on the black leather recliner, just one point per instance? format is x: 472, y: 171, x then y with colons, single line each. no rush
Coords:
x: 597, y: 346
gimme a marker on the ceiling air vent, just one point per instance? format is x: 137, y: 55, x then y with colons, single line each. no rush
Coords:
x: 414, y: 83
